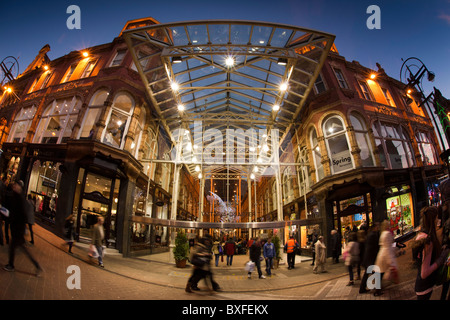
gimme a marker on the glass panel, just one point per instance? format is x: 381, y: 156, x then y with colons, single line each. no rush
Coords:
x: 89, y: 122
x: 340, y: 157
x: 396, y: 154
x: 115, y: 129
x: 123, y: 102
x: 381, y: 153
x: 365, y: 154
x: 69, y: 127
x: 356, y: 123
x: 427, y: 154
x: 99, y: 98
x: 332, y: 126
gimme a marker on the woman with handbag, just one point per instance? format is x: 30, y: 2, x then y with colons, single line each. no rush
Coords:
x: 386, y: 260
x: 352, y: 257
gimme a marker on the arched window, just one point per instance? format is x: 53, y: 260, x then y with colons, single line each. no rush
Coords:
x: 150, y: 152
x: 288, y: 191
x: 57, y: 121
x: 135, y: 146
x: 393, y: 144
x: 426, y: 148
x: 274, y: 196
x: 21, y: 124
x: 303, y: 173
x: 93, y: 112
x: 337, y: 145
x: 362, y: 138
x: 317, y: 156
x: 118, y: 120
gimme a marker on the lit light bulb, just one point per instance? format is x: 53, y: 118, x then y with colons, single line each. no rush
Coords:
x: 276, y: 107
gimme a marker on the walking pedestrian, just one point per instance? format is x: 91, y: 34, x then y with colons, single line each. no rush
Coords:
x: 69, y: 231
x: 291, y: 247
x: 321, y: 255
x: 335, y: 245
x: 201, y: 259
x: 217, y: 250
x: 314, y: 237
x: 255, y: 256
x: 385, y: 260
x: 15, y: 203
x: 30, y: 205
x: 230, y: 249
x: 98, y: 237
x: 352, y: 256
x: 427, y: 253
x: 269, y: 253
x: 371, y: 249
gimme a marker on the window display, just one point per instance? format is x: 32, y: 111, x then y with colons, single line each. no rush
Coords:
x: 400, y: 212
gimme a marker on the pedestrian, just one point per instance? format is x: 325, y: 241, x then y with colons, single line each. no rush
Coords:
x: 15, y: 203
x: 98, y: 238
x: 255, y: 257
x: 314, y: 237
x: 445, y: 244
x: 321, y: 256
x: 269, y: 253
x: 352, y: 256
x: 385, y: 260
x: 200, y: 257
x: 291, y: 246
x: 230, y: 249
x: 335, y: 245
x: 69, y: 231
x: 346, y: 233
x: 371, y: 249
x: 427, y: 253
x: 30, y: 221
x: 217, y: 250
x: 2, y: 203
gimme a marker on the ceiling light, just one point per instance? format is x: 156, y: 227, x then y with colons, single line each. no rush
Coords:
x: 197, y: 168
x: 252, y: 176
x: 266, y: 147
x: 175, y: 86
x: 200, y: 175
x: 276, y: 107
x: 180, y: 107
x: 283, y: 86
x: 282, y: 61
x: 177, y: 60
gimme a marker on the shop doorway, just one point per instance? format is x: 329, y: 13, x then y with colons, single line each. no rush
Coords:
x: 96, y: 196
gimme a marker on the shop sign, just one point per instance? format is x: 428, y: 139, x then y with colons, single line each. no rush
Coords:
x: 49, y: 184
x: 341, y: 161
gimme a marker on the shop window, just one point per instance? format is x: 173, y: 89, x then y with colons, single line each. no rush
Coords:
x: 136, y: 144
x: 288, y: 190
x: 337, y: 145
x: 21, y: 124
x: 393, y: 145
x: 57, y: 121
x: 426, y: 149
x: 11, y: 169
x: 400, y: 210
x: 317, y: 156
x: 362, y: 138
x: 118, y: 120
x: 150, y: 152
x: 303, y: 173
x: 43, y: 187
x: 95, y: 107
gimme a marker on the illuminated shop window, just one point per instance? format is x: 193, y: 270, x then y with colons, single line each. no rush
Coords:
x: 337, y: 145
x: 21, y: 124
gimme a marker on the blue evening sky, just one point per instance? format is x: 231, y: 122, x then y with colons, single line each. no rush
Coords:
x: 408, y: 27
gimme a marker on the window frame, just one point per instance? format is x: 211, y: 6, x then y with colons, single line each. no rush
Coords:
x: 337, y: 72
x: 112, y: 64
x: 366, y: 93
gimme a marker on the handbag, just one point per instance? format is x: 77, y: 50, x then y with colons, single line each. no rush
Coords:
x: 93, y: 253
x: 250, y: 266
x: 199, y: 261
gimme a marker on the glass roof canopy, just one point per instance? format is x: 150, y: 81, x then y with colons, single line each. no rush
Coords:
x: 224, y: 75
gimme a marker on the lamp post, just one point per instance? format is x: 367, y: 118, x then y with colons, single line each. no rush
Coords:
x: 413, y: 71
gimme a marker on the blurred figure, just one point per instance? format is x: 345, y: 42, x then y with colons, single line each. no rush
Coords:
x: 69, y: 227
x: 269, y: 253
x: 352, y: 256
x: 98, y: 237
x: 335, y: 245
x: 255, y: 256
x: 427, y: 253
x: 2, y: 203
x: 15, y: 202
x: 386, y: 257
x: 30, y: 221
x: 201, y: 259
x: 217, y: 250
x: 230, y: 249
x: 371, y: 248
x: 321, y: 256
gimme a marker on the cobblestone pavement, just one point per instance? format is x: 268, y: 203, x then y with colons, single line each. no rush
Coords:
x: 152, y: 278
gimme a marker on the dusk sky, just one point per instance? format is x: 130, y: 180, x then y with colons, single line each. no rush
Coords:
x: 412, y: 28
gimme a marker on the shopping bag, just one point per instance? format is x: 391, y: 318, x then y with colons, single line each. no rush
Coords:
x: 250, y: 266
x: 4, y: 212
x: 93, y: 253
x: 393, y: 275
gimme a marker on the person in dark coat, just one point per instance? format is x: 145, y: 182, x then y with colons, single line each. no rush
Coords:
x: 15, y: 202
x: 230, y: 249
x: 335, y: 245
x: 371, y: 248
x: 255, y: 255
